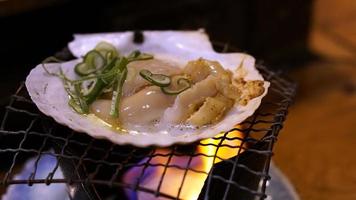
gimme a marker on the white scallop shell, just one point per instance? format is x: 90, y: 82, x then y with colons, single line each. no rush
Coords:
x: 48, y: 94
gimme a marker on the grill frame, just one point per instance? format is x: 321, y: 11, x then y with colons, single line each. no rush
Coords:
x: 260, y: 133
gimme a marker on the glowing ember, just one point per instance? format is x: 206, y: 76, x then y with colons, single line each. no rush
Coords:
x: 174, y: 181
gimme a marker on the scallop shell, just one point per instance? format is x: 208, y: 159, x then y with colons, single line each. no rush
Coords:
x: 48, y: 94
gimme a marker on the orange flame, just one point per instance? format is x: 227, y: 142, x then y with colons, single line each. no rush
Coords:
x: 187, y: 183
x: 225, y: 151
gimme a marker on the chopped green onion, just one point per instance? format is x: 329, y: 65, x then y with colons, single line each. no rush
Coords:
x: 120, y: 68
x: 93, y: 61
x: 101, y: 83
x: 137, y: 55
x: 117, y: 93
x: 183, y: 84
x: 160, y: 80
x: 75, y: 106
x: 95, y: 92
x: 50, y: 59
x: 96, y: 76
x: 82, y: 69
x: 102, y: 70
x: 120, y: 64
x: 88, y: 86
x: 66, y: 83
x: 134, y: 54
x: 107, y: 50
x: 80, y: 100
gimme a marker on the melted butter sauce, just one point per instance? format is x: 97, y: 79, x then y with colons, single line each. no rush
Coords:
x: 156, y: 126
x: 113, y: 126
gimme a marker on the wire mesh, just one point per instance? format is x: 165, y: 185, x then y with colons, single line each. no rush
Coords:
x: 100, y: 168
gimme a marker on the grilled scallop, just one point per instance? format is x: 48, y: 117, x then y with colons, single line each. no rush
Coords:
x: 223, y: 90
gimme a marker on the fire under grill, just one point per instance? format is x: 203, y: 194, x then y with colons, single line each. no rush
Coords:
x: 232, y: 165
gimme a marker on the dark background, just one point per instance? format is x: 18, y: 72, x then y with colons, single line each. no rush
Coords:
x: 33, y: 30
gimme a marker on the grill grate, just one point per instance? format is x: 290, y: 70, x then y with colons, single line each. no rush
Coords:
x: 98, y: 168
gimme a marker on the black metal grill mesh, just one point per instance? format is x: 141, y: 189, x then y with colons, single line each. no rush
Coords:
x: 97, y: 167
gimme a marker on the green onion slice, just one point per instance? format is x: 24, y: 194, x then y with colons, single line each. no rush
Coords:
x: 137, y: 55
x: 160, y: 80
x: 93, y: 61
x: 88, y: 86
x: 117, y: 93
x: 121, y: 69
x: 102, y: 82
x: 50, y: 59
x: 107, y: 50
x: 183, y: 84
x: 80, y: 100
